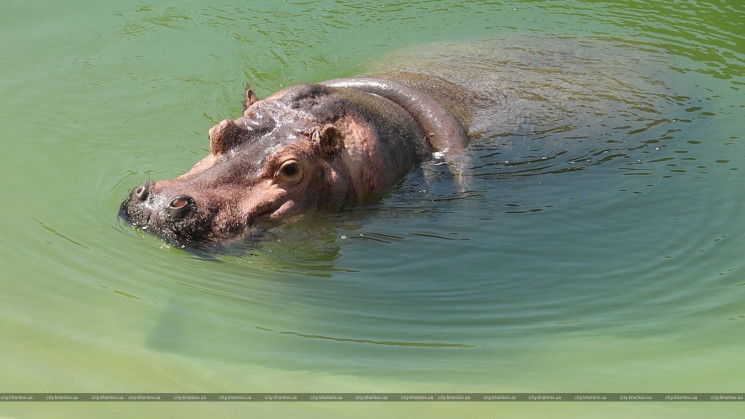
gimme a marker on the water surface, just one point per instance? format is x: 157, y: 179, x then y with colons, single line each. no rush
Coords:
x: 603, y: 256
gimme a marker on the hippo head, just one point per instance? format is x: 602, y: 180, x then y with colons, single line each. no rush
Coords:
x: 276, y: 161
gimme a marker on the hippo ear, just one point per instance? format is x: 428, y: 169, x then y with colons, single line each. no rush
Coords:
x: 327, y: 141
x: 251, y: 97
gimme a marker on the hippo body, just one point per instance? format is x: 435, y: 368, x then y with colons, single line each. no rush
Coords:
x: 308, y: 146
x: 527, y: 106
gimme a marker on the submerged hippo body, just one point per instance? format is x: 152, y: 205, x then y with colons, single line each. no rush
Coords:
x: 528, y: 105
x: 308, y: 146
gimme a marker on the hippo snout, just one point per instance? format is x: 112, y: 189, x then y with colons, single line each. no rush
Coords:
x: 173, y: 216
x: 143, y: 205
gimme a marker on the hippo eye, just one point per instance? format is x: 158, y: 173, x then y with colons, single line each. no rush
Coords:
x: 290, y: 172
x: 290, y: 169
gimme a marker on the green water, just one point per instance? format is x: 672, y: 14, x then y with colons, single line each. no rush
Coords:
x: 612, y: 268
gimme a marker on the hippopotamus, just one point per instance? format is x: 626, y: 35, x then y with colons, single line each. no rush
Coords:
x: 523, y: 106
x: 320, y: 146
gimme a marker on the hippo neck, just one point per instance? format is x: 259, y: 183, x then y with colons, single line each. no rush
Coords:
x: 444, y: 131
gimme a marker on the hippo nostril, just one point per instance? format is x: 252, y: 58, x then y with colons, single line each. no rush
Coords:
x: 180, y: 206
x: 179, y: 203
x: 143, y: 191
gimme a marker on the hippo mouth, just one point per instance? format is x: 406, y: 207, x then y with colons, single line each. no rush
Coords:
x: 177, y: 220
x: 176, y: 232
x: 182, y: 223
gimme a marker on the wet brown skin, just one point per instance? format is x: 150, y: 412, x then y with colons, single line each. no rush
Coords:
x: 309, y: 146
